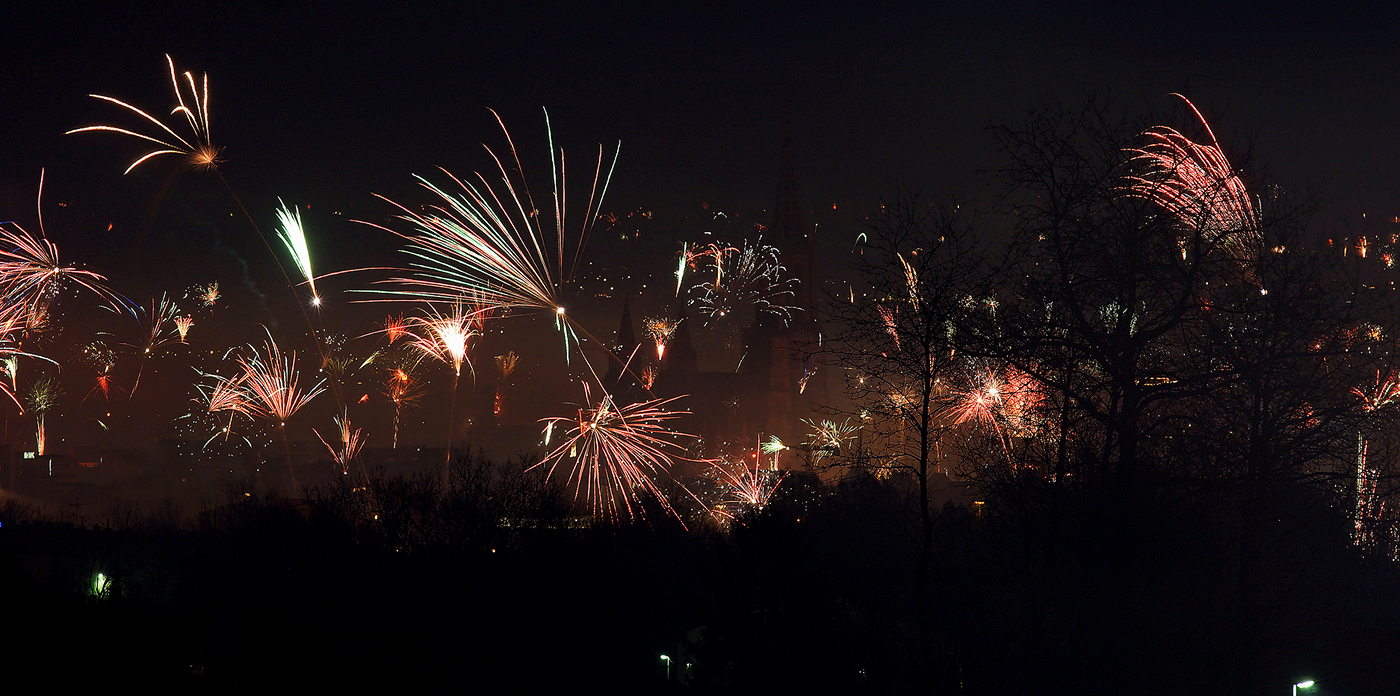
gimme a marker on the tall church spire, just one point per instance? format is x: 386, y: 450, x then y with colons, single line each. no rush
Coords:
x: 623, y: 346
x: 790, y: 233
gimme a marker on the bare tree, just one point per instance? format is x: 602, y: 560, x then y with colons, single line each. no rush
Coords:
x: 919, y: 270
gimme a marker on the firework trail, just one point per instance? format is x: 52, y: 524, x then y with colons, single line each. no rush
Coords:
x: 747, y: 276
x: 911, y: 279
x: 1368, y: 504
x: 649, y: 374
x: 808, y: 372
x: 1197, y: 185
x: 488, y: 237
x: 402, y: 386
x: 197, y: 148
x: 350, y: 443
x: 505, y: 364
x: 618, y: 453
x: 660, y: 331
x: 891, y: 326
x: 680, y: 266
x: 293, y: 237
x: 269, y: 380
x: 448, y: 338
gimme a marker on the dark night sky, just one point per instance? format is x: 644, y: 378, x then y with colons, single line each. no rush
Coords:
x: 323, y: 105
x: 314, y: 99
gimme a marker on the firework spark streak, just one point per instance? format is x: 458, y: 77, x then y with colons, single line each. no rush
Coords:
x: 747, y: 276
x: 506, y: 364
x: 1197, y: 185
x: 911, y: 279
x: 197, y: 148
x: 488, y: 238
x: 1384, y: 393
x: 618, y: 453
x: 293, y: 237
x: 395, y: 327
x: 772, y: 445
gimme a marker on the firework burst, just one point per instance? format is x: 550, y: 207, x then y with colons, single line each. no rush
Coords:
x: 270, y: 381
x: 182, y: 325
x: 402, y: 386
x: 350, y: 443
x: 42, y: 397
x: 395, y: 327
x: 748, y: 489
x: 828, y: 437
x: 221, y: 394
x: 32, y: 276
x: 197, y: 147
x: 488, y: 237
x: 748, y: 276
x: 208, y: 295
x: 102, y: 359
x: 446, y: 337
x: 154, y: 334
x: 618, y: 454
x: 1197, y: 185
x: 660, y: 331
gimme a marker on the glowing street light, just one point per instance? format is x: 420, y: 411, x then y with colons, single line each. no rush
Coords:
x: 1304, y: 685
x: 667, y: 658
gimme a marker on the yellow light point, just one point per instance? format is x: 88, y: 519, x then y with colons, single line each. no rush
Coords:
x: 559, y: 311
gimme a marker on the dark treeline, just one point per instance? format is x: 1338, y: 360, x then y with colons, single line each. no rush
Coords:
x: 1171, y: 397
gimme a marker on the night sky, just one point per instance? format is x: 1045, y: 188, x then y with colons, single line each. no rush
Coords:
x: 325, y: 105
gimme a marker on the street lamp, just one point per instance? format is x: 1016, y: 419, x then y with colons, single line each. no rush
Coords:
x: 667, y: 658
x: 1305, y: 685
